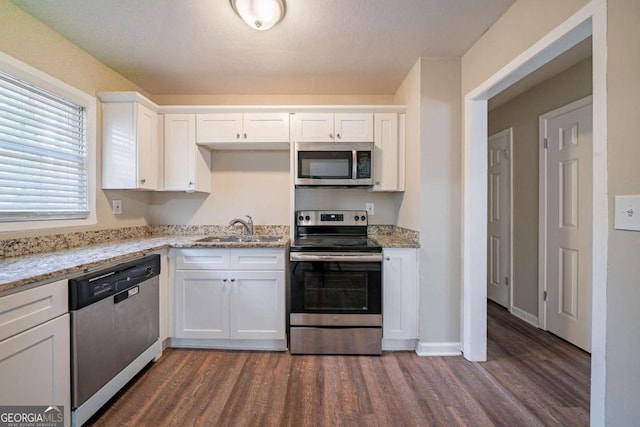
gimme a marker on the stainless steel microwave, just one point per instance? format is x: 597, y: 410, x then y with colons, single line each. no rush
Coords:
x: 333, y: 164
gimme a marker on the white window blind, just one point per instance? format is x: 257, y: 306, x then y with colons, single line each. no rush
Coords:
x: 43, y: 154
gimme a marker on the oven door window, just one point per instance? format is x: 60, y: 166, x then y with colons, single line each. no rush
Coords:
x: 325, y: 164
x: 336, y: 287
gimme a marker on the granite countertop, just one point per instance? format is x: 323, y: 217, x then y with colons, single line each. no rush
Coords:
x: 20, y: 271
x: 23, y: 271
x: 393, y: 241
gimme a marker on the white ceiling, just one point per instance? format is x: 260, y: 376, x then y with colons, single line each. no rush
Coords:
x: 321, y: 46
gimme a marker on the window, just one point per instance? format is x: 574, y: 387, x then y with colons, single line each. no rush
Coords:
x: 47, y: 161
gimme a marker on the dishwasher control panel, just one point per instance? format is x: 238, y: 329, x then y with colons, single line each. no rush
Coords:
x: 117, y: 280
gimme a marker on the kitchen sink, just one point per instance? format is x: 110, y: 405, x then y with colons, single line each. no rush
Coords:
x: 240, y: 239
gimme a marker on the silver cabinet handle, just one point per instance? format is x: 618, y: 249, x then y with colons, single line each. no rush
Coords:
x: 142, y: 181
x: 377, y: 182
x: 331, y: 135
x: 245, y: 136
x: 224, y: 280
x: 338, y: 135
x: 237, y: 136
x: 233, y: 280
x: 388, y: 259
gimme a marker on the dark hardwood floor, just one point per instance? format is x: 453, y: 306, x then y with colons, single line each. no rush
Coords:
x: 531, y: 378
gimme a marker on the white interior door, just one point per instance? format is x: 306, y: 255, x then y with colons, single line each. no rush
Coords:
x: 499, y: 218
x: 568, y: 216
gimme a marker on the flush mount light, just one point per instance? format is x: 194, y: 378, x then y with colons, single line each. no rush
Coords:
x: 259, y: 14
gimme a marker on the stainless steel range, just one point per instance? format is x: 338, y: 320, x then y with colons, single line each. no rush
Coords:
x: 336, y: 285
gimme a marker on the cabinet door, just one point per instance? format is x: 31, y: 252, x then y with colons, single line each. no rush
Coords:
x: 186, y: 166
x: 35, y: 366
x: 389, y: 153
x: 400, y: 284
x: 354, y: 127
x: 218, y: 127
x: 312, y: 127
x: 202, y: 304
x: 257, y: 305
x: 265, y: 127
x: 147, y: 150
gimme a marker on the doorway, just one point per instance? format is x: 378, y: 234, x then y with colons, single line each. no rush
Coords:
x: 591, y: 19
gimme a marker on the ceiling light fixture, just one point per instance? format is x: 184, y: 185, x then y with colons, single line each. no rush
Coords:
x: 259, y: 14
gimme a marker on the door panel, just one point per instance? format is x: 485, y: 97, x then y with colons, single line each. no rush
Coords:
x: 498, y: 229
x: 568, y: 228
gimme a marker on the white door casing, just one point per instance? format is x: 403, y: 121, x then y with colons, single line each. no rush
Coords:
x: 499, y: 218
x: 566, y: 222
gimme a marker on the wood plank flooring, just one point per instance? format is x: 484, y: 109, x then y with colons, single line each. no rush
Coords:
x: 531, y: 378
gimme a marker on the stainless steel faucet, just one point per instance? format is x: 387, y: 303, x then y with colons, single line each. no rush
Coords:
x: 248, y: 225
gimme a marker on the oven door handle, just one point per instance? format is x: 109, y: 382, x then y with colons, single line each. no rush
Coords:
x: 347, y: 257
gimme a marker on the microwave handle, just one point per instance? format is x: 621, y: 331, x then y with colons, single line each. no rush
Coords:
x: 354, y: 164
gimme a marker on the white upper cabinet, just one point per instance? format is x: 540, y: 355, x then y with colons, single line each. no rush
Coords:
x: 243, y: 130
x: 348, y: 127
x: 389, y: 155
x: 187, y: 167
x: 130, y: 146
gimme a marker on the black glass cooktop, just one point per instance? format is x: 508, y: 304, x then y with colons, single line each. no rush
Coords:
x: 323, y: 243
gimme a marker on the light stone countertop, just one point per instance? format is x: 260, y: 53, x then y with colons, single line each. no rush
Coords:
x: 22, y: 271
x: 393, y: 241
x: 31, y: 270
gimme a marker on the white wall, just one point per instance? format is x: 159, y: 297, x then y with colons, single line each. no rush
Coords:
x: 521, y: 113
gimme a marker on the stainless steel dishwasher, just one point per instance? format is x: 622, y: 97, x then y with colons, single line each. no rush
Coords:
x: 114, y: 331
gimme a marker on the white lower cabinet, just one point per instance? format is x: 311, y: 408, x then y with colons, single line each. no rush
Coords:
x: 35, y: 367
x: 400, y: 298
x: 229, y: 295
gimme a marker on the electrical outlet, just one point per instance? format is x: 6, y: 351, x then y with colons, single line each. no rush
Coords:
x: 116, y: 207
x: 370, y: 209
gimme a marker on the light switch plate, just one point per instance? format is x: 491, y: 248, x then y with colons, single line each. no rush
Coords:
x: 627, y: 213
x: 116, y: 207
x: 370, y: 208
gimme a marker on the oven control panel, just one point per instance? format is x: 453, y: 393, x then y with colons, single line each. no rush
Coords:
x: 331, y: 218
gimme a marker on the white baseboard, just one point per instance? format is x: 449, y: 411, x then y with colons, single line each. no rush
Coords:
x: 523, y: 315
x: 439, y: 349
x: 398, y: 345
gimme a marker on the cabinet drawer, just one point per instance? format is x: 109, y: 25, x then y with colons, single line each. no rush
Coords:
x: 26, y: 309
x: 257, y: 259
x: 202, y: 259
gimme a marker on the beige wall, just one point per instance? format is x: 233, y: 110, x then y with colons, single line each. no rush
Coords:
x: 249, y: 182
x: 242, y: 182
x: 431, y: 202
x: 623, y: 286
x: 440, y: 200
x: 521, y: 113
x: 518, y: 29
x: 409, y: 94
x: 30, y: 41
x: 257, y: 182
